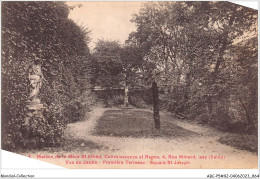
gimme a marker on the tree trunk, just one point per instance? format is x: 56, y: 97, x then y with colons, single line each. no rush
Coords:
x: 108, y: 96
x: 210, y: 107
x: 126, y: 97
x: 156, y: 109
x: 249, y: 121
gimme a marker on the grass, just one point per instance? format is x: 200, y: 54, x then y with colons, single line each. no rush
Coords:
x: 133, y: 123
x: 239, y: 141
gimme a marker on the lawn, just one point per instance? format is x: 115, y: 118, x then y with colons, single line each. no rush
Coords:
x: 133, y: 123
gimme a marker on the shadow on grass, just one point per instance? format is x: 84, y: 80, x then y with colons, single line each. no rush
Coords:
x: 132, y: 123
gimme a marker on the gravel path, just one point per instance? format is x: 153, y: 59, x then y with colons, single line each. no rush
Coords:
x: 85, y: 128
x: 204, y: 144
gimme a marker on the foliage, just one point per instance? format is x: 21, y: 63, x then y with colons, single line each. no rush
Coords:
x: 76, y: 109
x: 41, y: 30
x: 115, y: 100
x: 34, y: 131
x: 117, y: 66
x: 132, y: 62
x: 192, y: 50
x: 106, y: 54
x: 137, y: 102
x: 137, y: 98
x: 142, y: 95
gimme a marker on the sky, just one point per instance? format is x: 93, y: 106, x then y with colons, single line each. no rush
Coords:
x: 111, y: 20
x: 107, y: 20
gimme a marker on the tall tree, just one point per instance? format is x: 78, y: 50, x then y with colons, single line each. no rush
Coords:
x: 118, y: 65
x: 131, y: 59
x: 189, y: 43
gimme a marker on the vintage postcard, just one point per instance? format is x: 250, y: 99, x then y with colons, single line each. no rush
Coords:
x: 131, y: 85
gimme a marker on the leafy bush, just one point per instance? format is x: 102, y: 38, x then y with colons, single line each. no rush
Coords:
x: 144, y: 94
x: 174, y: 102
x: 115, y: 100
x: 11, y: 138
x: 43, y: 30
x: 87, y: 99
x: 76, y: 109
x: 34, y: 131
x: 219, y: 119
x: 43, y: 132
x: 118, y: 100
x: 137, y: 102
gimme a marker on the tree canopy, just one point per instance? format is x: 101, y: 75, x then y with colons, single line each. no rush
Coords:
x: 191, y: 45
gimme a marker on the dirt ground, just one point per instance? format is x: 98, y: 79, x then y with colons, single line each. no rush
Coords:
x: 201, y: 151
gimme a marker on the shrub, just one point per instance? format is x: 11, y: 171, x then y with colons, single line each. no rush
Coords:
x: 115, y: 100
x: 144, y: 94
x: 76, y: 109
x: 11, y: 139
x: 37, y: 29
x: 137, y: 102
x: 87, y: 99
x: 35, y: 130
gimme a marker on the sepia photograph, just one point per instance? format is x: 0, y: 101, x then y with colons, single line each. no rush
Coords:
x: 130, y: 85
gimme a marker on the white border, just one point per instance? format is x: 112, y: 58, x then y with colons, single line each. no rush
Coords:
x: 12, y: 164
